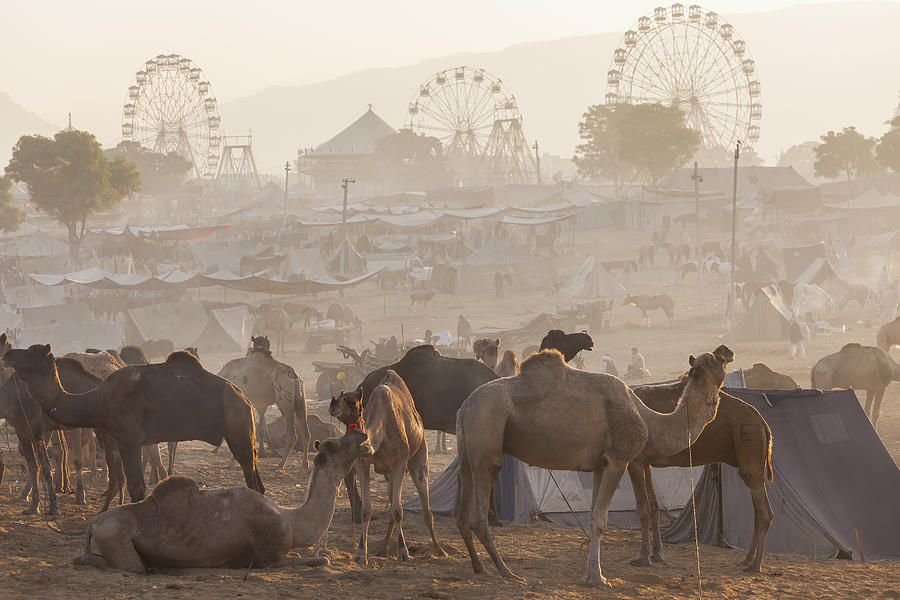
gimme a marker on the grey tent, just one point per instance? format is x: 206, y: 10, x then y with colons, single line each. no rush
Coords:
x: 768, y: 319
x: 180, y: 322
x: 347, y: 262
x: 592, y: 281
x: 797, y: 259
x: 833, y: 478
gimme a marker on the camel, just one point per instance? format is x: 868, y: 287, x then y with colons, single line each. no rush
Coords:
x: 181, y: 526
x: 509, y: 365
x: 274, y: 318
x: 585, y: 421
x: 738, y: 436
x: 761, y: 377
x: 147, y: 404
x: 486, y: 351
x: 646, y: 303
x: 887, y: 337
x: 858, y: 367
x: 318, y: 430
x: 398, y: 440
x: 343, y: 314
x: 133, y: 355
x: 423, y: 298
x: 157, y: 348
x: 568, y: 344
x: 266, y: 381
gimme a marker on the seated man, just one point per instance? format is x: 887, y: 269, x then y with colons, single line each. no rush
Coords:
x: 608, y: 365
x: 637, y: 368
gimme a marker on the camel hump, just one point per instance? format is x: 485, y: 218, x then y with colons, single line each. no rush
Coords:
x: 852, y: 346
x: 540, y: 361
x: 423, y: 352
x: 182, y: 358
x: 174, y: 486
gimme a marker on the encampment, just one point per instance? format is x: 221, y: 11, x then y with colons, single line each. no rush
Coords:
x: 592, y: 281
x: 768, y: 319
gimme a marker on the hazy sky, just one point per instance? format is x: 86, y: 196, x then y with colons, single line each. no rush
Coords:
x: 80, y: 56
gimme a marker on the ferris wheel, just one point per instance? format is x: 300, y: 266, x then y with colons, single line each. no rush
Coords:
x: 170, y: 108
x: 459, y: 107
x: 686, y: 57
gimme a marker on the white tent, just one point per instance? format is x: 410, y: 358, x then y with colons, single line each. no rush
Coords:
x: 306, y: 262
x: 180, y: 322
x: 227, y: 330
x: 592, y: 281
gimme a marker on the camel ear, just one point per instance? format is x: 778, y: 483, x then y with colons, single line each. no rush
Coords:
x: 691, y: 360
x: 45, y: 348
x: 316, y: 445
x: 3, y: 338
x: 497, y: 342
x: 724, y: 354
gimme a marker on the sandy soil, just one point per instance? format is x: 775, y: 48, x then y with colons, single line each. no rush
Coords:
x: 35, y: 561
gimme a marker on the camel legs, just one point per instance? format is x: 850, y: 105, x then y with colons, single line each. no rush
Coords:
x: 78, y: 463
x: 150, y: 454
x: 440, y: 444
x: 362, y: 478
x: 656, y: 554
x: 134, y: 474
x: 173, y: 446
x: 762, y: 519
x: 642, y: 507
x: 605, y: 482
x: 117, y: 551
x: 241, y: 439
x: 395, y: 487
x: 116, y: 475
x: 262, y: 431
x: 418, y: 471
x: 58, y: 450
x: 464, y: 505
x: 873, y: 405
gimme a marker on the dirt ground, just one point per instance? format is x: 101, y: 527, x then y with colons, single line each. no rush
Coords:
x: 35, y: 560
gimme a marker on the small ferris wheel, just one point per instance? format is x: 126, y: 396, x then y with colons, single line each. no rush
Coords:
x: 459, y: 107
x: 686, y: 57
x: 170, y: 108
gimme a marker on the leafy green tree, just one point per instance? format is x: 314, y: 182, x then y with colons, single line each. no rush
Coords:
x: 409, y: 161
x: 160, y: 173
x: 10, y: 216
x: 800, y: 156
x: 848, y: 152
x: 646, y: 140
x: 69, y: 178
x: 888, y: 149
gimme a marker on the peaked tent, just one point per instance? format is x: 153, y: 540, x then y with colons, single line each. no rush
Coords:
x: 347, y: 262
x: 180, y: 322
x: 592, y: 281
x: 767, y: 320
x: 833, y: 477
x: 305, y: 262
x: 227, y: 330
x: 798, y: 259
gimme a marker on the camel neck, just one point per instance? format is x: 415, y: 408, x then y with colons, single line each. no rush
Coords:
x: 668, y: 434
x: 72, y: 410
x: 311, y: 520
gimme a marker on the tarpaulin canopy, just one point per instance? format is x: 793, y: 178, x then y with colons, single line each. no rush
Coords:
x: 165, y: 233
x: 535, y: 221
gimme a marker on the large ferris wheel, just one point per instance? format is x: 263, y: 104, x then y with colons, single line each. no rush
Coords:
x: 687, y: 57
x: 170, y: 107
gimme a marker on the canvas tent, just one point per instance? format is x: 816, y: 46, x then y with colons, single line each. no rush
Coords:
x: 347, y: 262
x: 768, y: 319
x: 227, y: 330
x: 833, y: 477
x: 798, y: 259
x: 592, y: 281
x: 523, y: 492
x: 180, y: 322
x: 304, y: 262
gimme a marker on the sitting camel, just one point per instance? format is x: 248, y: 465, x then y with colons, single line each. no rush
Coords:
x: 509, y: 365
x: 761, y: 377
x: 266, y: 382
x: 398, y: 440
x: 568, y: 344
x: 147, y: 404
x: 861, y: 368
x: 487, y: 351
x: 738, y: 436
x: 585, y: 421
x: 181, y: 526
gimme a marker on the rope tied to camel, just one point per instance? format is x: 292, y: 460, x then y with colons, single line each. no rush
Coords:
x: 693, y: 500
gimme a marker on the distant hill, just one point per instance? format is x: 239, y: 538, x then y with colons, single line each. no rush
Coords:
x: 15, y: 122
x: 821, y: 67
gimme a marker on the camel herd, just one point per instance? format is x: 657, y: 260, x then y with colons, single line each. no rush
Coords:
x: 541, y: 411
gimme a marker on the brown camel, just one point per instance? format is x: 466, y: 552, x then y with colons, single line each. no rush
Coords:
x: 738, y: 436
x: 147, y: 404
x: 761, y: 377
x: 181, y: 526
x: 398, y: 440
x: 569, y: 344
x: 509, y: 365
x: 887, y: 337
x: 861, y: 368
x: 266, y: 382
x: 273, y: 318
x: 646, y: 303
x: 318, y: 430
x: 487, y: 351
x: 602, y: 423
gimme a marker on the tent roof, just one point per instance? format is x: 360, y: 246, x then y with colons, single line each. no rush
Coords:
x: 59, y: 313
x: 227, y: 330
x: 358, y: 137
x: 592, y: 281
x: 180, y: 322
x: 37, y: 244
x: 494, y: 252
x: 767, y: 319
x: 874, y: 199
x: 721, y: 179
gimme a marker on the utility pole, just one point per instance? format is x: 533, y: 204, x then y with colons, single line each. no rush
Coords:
x: 537, y: 159
x: 737, y: 155
x: 287, y: 169
x: 698, y: 177
x: 345, y: 183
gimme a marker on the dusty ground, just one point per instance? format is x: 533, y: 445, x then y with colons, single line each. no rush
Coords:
x: 34, y: 560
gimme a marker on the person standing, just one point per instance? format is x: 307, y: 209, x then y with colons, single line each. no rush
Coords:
x: 796, y: 337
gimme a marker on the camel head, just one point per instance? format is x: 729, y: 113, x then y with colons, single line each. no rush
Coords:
x: 339, y: 454
x: 629, y: 299
x: 32, y: 362
x: 5, y: 346
x: 193, y: 352
x: 348, y: 407
x: 709, y: 368
x: 261, y: 341
x: 487, y: 351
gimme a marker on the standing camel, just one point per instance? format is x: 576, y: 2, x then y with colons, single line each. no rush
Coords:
x: 172, y: 401
x: 267, y: 382
x: 738, y: 436
x: 398, y: 440
x: 646, y: 303
x: 181, y: 526
x: 861, y: 368
x: 556, y: 417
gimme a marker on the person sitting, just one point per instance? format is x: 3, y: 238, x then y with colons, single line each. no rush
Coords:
x: 391, y: 347
x: 637, y: 368
x: 608, y: 365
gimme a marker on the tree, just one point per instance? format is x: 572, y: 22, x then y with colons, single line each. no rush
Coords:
x: 848, y: 152
x: 160, y: 173
x: 10, y: 216
x: 69, y: 178
x: 408, y: 161
x: 888, y: 149
x: 647, y: 140
x: 800, y: 156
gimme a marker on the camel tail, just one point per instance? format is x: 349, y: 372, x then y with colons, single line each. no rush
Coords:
x: 770, y: 473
